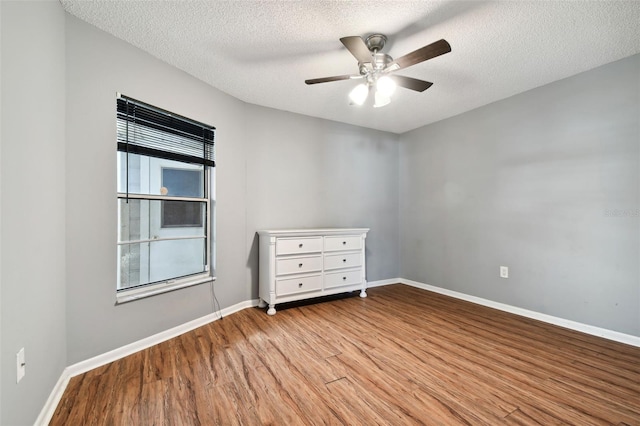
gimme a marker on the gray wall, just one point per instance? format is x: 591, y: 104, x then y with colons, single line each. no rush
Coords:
x: 274, y: 169
x: 303, y: 172
x: 546, y: 183
x: 33, y: 205
x: 99, y: 66
x: 1, y: 357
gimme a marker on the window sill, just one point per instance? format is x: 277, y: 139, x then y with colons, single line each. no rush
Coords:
x: 131, y: 295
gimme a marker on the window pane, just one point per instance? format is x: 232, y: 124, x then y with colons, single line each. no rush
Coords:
x: 181, y: 214
x: 158, y: 219
x: 155, y: 261
x: 129, y: 261
x: 182, y: 182
x: 149, y: 175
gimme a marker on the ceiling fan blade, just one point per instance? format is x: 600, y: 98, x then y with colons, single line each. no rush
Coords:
x: 328, y: 79
x: 358, y: 48
x: 411, y: 83
x: 429, y: 51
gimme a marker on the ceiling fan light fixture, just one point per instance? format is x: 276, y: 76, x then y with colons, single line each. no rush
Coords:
x: 359, y: 94
x: 385, y: 86
x: 381, y: 100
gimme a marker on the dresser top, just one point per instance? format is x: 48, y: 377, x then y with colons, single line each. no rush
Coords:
x: 310, y: 232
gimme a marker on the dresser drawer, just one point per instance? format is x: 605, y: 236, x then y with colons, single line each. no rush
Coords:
x: 347, y: 242
x: 335, y: 261
x: 298, y: 265
x: 298, y: 245
x: 298, y: 285
x: 343, y: 278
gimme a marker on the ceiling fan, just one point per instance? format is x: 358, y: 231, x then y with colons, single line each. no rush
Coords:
x: 376, y: 68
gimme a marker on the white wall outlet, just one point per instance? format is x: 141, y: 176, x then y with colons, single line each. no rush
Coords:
x: 20, y: 365
x: 504, y: 272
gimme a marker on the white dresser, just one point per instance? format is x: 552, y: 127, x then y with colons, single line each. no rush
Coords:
x: 301, y: 264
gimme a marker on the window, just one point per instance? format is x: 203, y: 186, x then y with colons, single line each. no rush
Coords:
x: 165, y: 175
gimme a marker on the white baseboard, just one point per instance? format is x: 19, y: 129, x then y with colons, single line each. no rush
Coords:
x: 54, y: 399
x: 573, y: 325
x: 380, y: 283
x: 82, y: 367
x: 131, y: 348
x: 97, y: 361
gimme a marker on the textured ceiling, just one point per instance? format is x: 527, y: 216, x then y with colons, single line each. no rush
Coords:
x: 262, y: 51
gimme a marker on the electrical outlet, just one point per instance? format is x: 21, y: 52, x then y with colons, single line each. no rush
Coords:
x: 21, y: 365
x: 504, y: 272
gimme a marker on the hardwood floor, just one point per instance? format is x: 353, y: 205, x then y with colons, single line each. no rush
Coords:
x: 400, y: 356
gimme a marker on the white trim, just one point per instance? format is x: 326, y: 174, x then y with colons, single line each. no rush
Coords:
x: 572, y: 325
x: 126, y: 296
x: 97, y: 361
x: 54, y: 399
x: 131, y: 348
x: 82, y: 367
x: 380, y: 283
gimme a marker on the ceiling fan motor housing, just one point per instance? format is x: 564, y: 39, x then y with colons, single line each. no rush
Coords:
x: 375, y: 43
x: 381, y: 60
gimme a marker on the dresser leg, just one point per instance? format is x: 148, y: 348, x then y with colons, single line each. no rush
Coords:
x: 271, y: 310
x: 363, y: 293
x: 262, y: 304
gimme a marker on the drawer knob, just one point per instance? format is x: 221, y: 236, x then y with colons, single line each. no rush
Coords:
x: 344, y: 260
x: 300, y: 245
x: 344, y: 242
x: 299, y: 265
x: 300, y: 285
x: 344, y: 278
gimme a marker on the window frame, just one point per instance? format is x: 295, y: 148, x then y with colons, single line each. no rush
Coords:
x: 166, y: 285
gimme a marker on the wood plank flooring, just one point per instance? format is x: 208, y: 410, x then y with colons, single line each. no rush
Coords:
x: 401, y: 356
